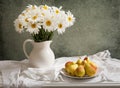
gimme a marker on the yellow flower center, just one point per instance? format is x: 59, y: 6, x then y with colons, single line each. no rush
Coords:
x: 26, y: 20
x: 20, y: 26
x: 57, y: 11
x: 45, y: 7
x: 23, y: 14
x: 33, y: 25
x: 69, y: 19
x: 60, y: 25
x: 48, y: 23
x: 35, y: 17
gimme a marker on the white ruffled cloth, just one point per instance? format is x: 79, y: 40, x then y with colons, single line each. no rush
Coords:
x: 18, y: 73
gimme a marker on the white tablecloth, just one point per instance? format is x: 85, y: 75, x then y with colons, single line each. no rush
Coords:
x: 19, y: 74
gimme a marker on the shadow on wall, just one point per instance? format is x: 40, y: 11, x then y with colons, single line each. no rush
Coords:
x: 96, y: 28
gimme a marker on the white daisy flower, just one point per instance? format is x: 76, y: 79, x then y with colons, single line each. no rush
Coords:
x: 45, y: 13
x: 24, y: 19
x: 56, y: 10
x: 45, y: 7
x: 48, y: 24
x: 34, y: 15
x: 33, y: 28
x: 60, y: 28
x: 49, y: 21
x: 29, y: 8
x: 70, y: 18
x: 61, y: 23
x: 18, y: 25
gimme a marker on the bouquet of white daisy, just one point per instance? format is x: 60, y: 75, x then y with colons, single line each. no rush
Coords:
x: 41, y: 21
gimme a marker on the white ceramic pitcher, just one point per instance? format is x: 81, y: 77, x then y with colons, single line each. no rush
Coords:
x: 41, y: 55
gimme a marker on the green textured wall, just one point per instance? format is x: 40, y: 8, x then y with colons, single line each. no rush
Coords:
x: 97, y: 28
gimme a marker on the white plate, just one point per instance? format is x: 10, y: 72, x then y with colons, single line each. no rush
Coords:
x: 64, y: 73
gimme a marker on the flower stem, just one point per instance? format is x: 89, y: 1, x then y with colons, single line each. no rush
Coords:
x: 43, y: 35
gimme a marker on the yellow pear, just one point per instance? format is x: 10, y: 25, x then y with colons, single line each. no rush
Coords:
x: 72, y: 68
x: 67, y: 64
x: 86, y: 59
x: 80, y: 71
x: 93, y: 65
x: 90, y: 62
x: 90, y: 68
x: 79, y: 62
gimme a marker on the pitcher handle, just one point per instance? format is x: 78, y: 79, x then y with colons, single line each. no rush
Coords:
x: 24, y: 48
